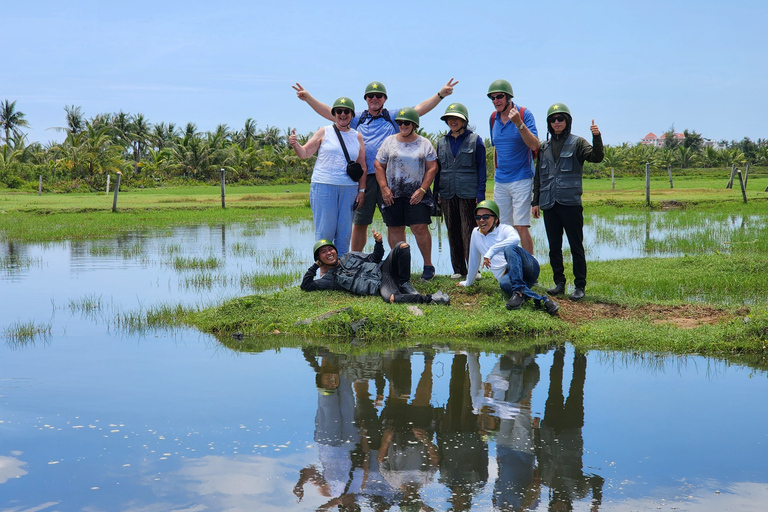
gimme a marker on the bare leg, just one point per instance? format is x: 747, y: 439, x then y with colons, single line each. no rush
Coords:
x: 526, y: 242
x: 359, y: 237
x: 424, y: 241
x: 395, y: 234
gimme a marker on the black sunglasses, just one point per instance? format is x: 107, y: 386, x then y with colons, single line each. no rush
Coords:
x: 497, y: 96
x: 403, y: 123
x: 339, y: 110
x: 371, y: 95
x: 557, y: 119
x: 485, y: 216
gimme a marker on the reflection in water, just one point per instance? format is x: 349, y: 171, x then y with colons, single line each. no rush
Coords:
x: 385, y: 452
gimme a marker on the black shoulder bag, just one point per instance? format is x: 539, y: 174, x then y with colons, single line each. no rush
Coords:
x: 354, y: 169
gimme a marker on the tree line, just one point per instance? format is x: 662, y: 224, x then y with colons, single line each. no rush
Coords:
x: 151, y: 155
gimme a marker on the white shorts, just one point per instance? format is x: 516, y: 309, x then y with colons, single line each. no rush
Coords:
x: 514, y: 200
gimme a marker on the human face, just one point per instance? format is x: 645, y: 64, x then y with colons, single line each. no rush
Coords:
x: 343, y: 116
x: 456, y: 124
x: 499, y: 101
x: 558, y: 122
x: 328, y: 255
x: 406, y: 127
x: 487, y: 220
x: 375, y: 104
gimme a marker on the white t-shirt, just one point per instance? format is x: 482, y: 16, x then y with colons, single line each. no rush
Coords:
x: 406, y: 163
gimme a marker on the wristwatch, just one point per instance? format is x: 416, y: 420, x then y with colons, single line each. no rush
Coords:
x: 361, y: 190
x: 521, y: 126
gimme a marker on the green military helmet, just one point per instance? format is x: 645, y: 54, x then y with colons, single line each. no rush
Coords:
x: 488, y: 205
x: 408, y: 114
x: 500, y: 86
x: 320, y: 244
x: 456, y: 110
x: 343, y: 102
x: 558, y: 108
x: 375, y: 87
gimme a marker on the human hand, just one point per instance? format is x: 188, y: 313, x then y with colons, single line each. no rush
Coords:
x: 417, y: 196
x: 300, y: 92
x: 292, y: 139
x: 386, y: 196
x: 514, y: 115
x: 486, y: 262
x: 447, y: 89
x: 535, y: 212
x: 461, y: 283
x: 594, y: 129
x: 376, y: 236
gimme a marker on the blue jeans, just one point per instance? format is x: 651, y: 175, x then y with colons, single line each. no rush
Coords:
x: 522, y: 273
x: 332, y: 213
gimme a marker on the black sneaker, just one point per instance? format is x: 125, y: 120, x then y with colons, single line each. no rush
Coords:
x: 429, y: 272
x: 551, y: 307
x: 439, y: 298
x: 515, y: 301
x: 577, y: 294
x: 408, y: 288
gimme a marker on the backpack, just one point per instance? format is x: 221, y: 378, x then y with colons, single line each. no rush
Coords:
x: 534, y: 154
x: 384, y: 114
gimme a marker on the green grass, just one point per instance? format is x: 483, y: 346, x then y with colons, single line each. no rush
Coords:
x: 184, y: 263
x: 23, y: 333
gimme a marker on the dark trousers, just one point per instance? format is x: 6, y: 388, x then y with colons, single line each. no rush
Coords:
x: 570, y: 219
x: 459, y: 215
x: 396, y: 270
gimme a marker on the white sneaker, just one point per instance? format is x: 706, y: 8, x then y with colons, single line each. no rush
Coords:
x: 456, y: 276
x: 478, y: 276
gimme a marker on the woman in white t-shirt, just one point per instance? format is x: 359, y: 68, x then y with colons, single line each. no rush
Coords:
x: 333, y: 195
x: 406, y: 165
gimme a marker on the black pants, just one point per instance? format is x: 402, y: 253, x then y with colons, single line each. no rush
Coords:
x: 570, y: 219
x: 459, y: 217
x: 396, y: 270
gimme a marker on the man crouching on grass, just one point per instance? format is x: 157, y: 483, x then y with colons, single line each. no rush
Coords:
x: 497, y: 246
x: 367, y: 274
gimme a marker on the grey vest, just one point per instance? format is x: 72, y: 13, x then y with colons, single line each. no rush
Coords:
x: 560, y: 182
x: 458, y: 175
x: 357, y: 275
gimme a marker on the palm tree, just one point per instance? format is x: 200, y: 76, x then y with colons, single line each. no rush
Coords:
x: 11, y: 119
x: 139, y: 133
x: 686, y: 156
x: 74, y: 119
x: 710, y: 157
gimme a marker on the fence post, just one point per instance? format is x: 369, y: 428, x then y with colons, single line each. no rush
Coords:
x: 743, y: 187
x: 40, y: 185
x: 648, y: 183
x: 669, y: 171
x: 746, y: 176
x: 733, y: 173
x: 613, y: 183
x: 108, y: 184
x: 117, y: 190
x: 223, y: 202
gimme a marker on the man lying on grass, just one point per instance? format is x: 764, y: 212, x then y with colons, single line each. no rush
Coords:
x: 367, y: 274
x: 497, y: 246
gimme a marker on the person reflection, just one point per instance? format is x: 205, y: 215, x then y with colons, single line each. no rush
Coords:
x: 408, y: 457
x: 560, y: 443
x: 510, y: 390
x: 336, y: 435
x: 463, y: 451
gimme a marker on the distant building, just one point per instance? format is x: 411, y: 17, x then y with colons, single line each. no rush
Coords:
x: 658, y: 142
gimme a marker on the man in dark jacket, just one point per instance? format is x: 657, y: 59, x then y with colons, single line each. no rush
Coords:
x: 367, y: 274
x: 557, y: 192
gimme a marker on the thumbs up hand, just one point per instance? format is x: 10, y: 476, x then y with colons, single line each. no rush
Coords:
x: 594, y: 129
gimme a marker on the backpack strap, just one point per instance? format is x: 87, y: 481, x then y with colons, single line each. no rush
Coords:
x: 534, y: 153
x: 385, y: 113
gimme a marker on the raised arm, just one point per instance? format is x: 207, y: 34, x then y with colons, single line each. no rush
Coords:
x: 308, y: 149
x: 317, y: 105
x: 431, y: 102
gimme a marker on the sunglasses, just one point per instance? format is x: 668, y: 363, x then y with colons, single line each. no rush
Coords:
x: 557, y: 119
x: 497, y: 96
x: 485, y: 216
x: 403, y: 123
x: 346, y: 111
x: 372, y: 95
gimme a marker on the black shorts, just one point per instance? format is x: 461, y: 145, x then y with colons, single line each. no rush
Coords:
x: 403, y: 213
x: 364, y: 216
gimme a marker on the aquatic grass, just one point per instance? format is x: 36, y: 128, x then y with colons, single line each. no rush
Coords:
x: 87, y: 304
x: 21, y: 333
x: 12, y: 264
x: 170, y: 249
x: 204, y: 281
x: 269, y: 282
x: 194, y: 263
x: 159, y: 317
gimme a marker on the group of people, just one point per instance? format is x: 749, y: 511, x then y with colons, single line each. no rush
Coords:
x: 406, y: 178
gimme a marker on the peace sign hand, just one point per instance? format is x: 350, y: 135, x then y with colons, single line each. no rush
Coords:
x: 447, y: 89
x: 300, y: 91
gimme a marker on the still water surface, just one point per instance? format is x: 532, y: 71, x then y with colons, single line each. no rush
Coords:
x: 96, y: 418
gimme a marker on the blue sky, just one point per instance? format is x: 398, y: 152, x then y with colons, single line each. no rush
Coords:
x: 635, y: 67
